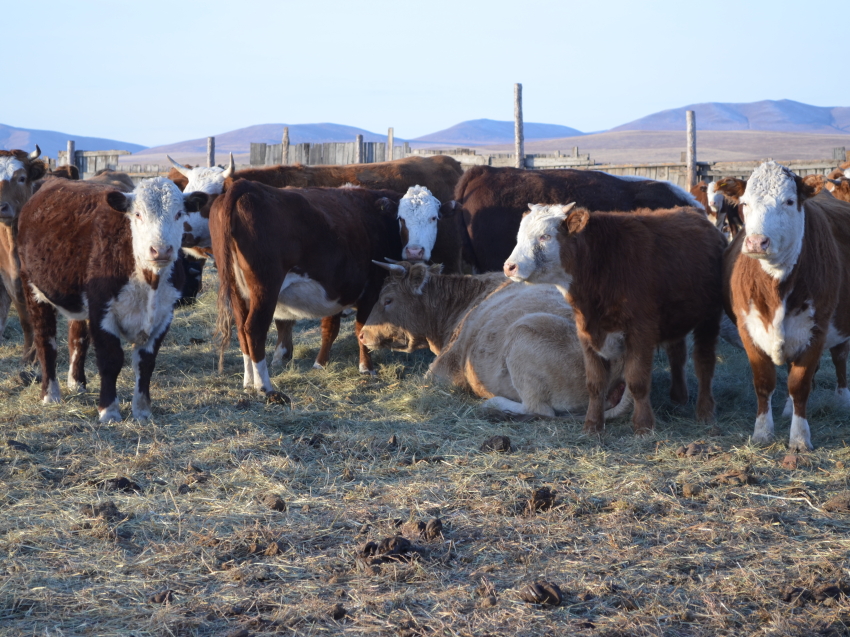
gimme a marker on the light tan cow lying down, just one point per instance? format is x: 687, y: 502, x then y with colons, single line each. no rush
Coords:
x: 511, y: 343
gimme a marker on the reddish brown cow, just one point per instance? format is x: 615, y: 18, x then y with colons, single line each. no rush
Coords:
x: 843, y: 170
x: 298, y: 253
x: 19, y: 171
x: 839, y: 188
x: 108, y: 262
x: 66, y: 172
x: 494, y: 200
x: 787, y: 286
x: 647, y: 277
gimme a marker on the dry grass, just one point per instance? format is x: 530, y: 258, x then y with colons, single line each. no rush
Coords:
x: 631, y: 553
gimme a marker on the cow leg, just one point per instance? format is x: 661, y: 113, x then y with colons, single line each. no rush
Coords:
x: 144, y: 360
x: 240, y: 312
x: 110, y: 359
x: 5, y: 304
x: 366, y: 365
x: 677, y: 356
x: 257, y: 323
x: 78, y: 347
x: 638, y: 372
x: 596, y: 372
x: 43, y: 317
x: 27, y: 328
x: 799, y: 387
x: 764, y: 382
x: 284, y: 349
x: 705, y: 358
x: 839, y: 359
x: 330, y: 330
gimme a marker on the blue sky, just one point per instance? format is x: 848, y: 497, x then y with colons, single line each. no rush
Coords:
x: 154, y: 72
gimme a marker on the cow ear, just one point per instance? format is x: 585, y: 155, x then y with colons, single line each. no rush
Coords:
x: 576, y: 221
x: 805, y: 190
x: 119, y: 201
x: 436, y: 268
x: 448, y: 209
x: 194, y: 201
x: 815, y: 182
x: 418, y: 277
x: 385, y: 204
x: 36, y: 170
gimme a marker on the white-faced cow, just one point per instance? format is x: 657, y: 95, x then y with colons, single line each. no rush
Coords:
x: 92, y: 252
x: 298, y: 253
x: 19, y: 171
x: 787, y: 286
x: 419, y: 212
x: 648, y: 277
x: 513, y: 344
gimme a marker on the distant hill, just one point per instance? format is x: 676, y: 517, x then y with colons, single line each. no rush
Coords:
x: 239, y: 140
x: 51, y: 142
x: 488, y: 131
x: 783, y: 116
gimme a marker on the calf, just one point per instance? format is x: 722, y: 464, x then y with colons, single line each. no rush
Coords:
x: 92, y: 252
x: 649, y: 278
x: 493, y: 201
x: 19, y: 171
x: 839, y: 188
x: 787, y: 286
x: 295, y: 254
x: 727, y: 207
x: 513, y: 344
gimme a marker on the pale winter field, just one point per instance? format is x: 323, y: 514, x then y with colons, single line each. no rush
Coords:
x: 641, y: 540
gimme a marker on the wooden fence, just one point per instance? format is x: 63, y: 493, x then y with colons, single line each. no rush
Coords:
x: 336, y: 153
x: 90, y: 161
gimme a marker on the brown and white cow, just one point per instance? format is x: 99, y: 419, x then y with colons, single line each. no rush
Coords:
x: 649, y: 278
x: 787, y: 286
x: 298, y: 254
x: 724, y: 199
x: 839, y: 188
x: 19, y: 171
x: 513, y: 344
x: 94, y: 253
x: 494, y: 200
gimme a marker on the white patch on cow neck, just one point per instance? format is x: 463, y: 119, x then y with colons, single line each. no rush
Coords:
x: 8, y: 167
x: 420, y: 211
x: 538, y: 260
x: 785, y: 336
x: 301, y: 297
x: 208, y: 180
x: 769, y: 189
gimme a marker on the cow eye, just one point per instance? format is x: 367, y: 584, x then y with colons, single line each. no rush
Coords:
x: 790, y: 202
x: 179, y: 214
x: 433, y: 218
x: 545, y: 237
x: 22, y: 180
x: 139, y: 216
x: 387, y: 302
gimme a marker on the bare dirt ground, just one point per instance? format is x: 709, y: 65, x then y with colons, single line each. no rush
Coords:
x: 239, y: 518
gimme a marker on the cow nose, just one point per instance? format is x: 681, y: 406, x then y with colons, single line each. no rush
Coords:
x: 510, y: 269
x: 158, y: 254
x: 361, y: 337
x: 415, y: 253
x: 6, y: 211
x: 757, y: 243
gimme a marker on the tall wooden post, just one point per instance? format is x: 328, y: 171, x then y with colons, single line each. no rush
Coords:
x: 72, y: 160
x: 519, y: 139
x: 358, y: 149
x: 285, y: 150
x: 210, y: 152
x: 691, y: 150
x: 389, y: 156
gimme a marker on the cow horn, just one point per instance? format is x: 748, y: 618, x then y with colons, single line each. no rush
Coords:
x: 569, y: 206
x: 390, y: 267
x: 179, y: 167
x: 34, y: 154
x: 231, y: 168
x: 388, y: 260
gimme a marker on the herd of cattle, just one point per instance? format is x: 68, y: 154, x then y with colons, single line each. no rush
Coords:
x: 579, y: 275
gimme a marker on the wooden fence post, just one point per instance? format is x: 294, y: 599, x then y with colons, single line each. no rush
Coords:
x: 519, y: 147
x: 72, y: 160
x: 285, y: 147
x: 389, y: 156
x: 358, y: 149
x: 210, y: 152
x: 691, y: 150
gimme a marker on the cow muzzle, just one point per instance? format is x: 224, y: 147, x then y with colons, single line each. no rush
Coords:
x: 7, y: 212
x: 511, y: 270
x: 414, y: 253
x: 756, y: 244
x: 161, y: 256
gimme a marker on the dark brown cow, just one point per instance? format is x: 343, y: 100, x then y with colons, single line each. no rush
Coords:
x: 787, y: 286
x: 98, y: 255
x: 298, y: 253
x: 118, y: 180
x: 19, y: 171
x: 647, y: 277
x: 494, y: 200
x: 66, y: 172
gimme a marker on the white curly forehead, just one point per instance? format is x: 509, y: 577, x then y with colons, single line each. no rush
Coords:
x: 416, y: 197
x: 8, y: 167
x: 770, y: 181
x: 208, y: 180
x: 542, y: 219
x: 158, y: 196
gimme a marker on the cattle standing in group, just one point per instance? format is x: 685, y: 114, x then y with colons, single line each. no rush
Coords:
x: 513, y: 344
x: 839, y: 188
x: 19, y: 171
x: 648, y: 278
x: 298, y: 254
x: 493, y: 201
x: 787, y: 286
x: 94, y: 253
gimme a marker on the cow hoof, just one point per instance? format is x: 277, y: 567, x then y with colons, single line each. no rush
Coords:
x: 763, y: 439
x: 317, y: 366
x: 277, y: 398
x: 76, y: 388
x: 364, y: 369
x: 110, y: 414
x: 53, y: 394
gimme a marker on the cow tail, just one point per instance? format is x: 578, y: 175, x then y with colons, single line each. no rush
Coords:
x: 221, y: 222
